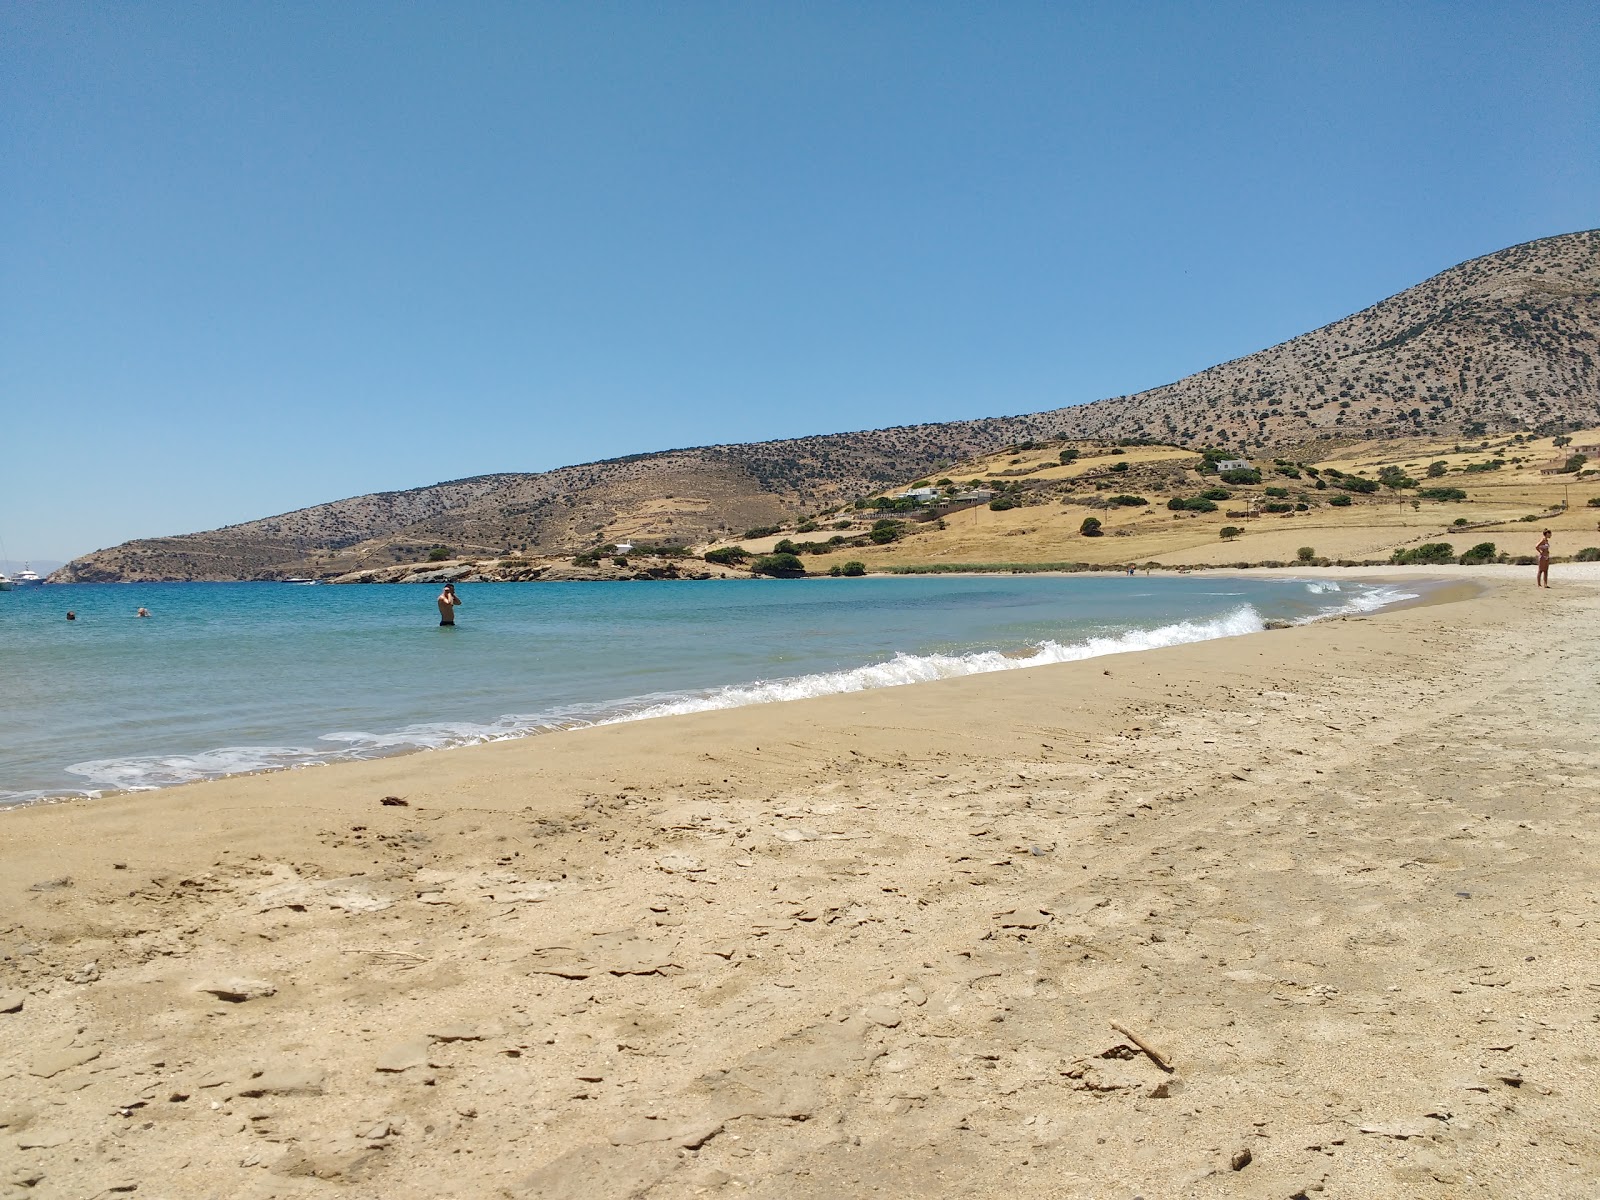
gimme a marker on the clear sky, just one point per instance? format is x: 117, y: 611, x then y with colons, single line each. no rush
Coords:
x: 259, y: 256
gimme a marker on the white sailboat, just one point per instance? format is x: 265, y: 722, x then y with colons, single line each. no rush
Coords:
x: 5, y: 582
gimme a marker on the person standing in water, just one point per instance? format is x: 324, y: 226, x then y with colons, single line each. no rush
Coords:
x: 1543, y: 550
x: 448, y: 603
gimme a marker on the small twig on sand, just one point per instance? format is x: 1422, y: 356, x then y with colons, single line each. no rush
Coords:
x: 396, y: 953
x: 1160, y: 1059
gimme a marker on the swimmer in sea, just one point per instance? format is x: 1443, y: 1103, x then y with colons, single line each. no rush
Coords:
x: 448, y: 603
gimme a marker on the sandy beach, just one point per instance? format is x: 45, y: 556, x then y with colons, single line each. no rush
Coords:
x: 1305, y: 913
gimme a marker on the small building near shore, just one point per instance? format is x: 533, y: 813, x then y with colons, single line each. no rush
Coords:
x: 1235, y: 464
x: 922, y: 495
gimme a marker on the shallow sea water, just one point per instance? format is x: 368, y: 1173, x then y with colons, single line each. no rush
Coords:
x: 228, y: 678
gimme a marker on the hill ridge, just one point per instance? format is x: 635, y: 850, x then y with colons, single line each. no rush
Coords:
x: 1505, y: 341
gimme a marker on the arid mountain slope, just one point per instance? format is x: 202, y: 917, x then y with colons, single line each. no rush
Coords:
x: 1504, y: 342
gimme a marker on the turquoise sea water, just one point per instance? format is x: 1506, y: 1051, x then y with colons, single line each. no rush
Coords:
x: 226, y: 678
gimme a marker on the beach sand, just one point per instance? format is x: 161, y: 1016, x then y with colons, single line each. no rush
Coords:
x: 1338, y: 877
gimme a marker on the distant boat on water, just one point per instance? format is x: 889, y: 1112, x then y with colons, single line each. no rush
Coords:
x: 299, y: 580
x: 27, y: 577
x: 6, y: 583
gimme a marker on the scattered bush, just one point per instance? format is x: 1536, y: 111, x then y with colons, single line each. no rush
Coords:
x: 761, y: 531
x: 1339, y: 501
x: 1091, y: 527
x: 1427, y: 553
x: 1442, y: 493
x: 1587, y: 554
x: 853, y: 568
x: 1231, y: 531
x: 1305, y: 553
x: 1122, y: 466
x: 1437, y: 470
x: 1351, y: 483
x: 1302, y: 507
x: 727, y: 556
x: 1278, y: 506
x: 1127, y: 501
x: 1481, y: 553
x: 1594, y: 501
x: 1248, y: 475
x: 884, y: 532
x: 786, y: 546
x: 1002, y: 503
x: 1216, y: 494
x: 1277, y: 493
x: 1459, y: 521
x: 778, y: 565
x: 1070, y: 454
x: 1574, y: 464
x: 438, y: 554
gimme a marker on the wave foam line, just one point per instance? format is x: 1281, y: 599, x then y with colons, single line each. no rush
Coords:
x: 146, y: 772
x: 905, y: 669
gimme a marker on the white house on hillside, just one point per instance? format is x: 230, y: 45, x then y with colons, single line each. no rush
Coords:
x: 1235, y: 464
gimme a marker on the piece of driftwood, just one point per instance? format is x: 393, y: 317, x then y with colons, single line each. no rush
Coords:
x: 1160, y: 1059
x: 396, y: 953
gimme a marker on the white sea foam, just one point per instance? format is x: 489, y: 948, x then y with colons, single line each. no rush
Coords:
x: 145, y: 772
x: 923, y: 668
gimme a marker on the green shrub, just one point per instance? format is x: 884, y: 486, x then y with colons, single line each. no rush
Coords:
x: 1278, y: 506
x: 1339, y: 501
x: 1127, y: 501
x: 1321, y: 485
x: 1249, y: 475
x: 1199, y: 505
x: 1442, y: 493
x: 779, y: 565
x: 1428, y: 553
x: 1437, y: 470
x: 1070, y: 454
x: 1594, y: 501
x: 438, y: 554
x: 786, y: 546
x: 1574, y: 464
x: 853, y: 568
x: 1002, y: 503
x: 1090, y: 527
x: 1302, y: 507
x: 1231, y: 531
x: 1277, y: 493
x: 884, y: 533
x: 1177, y: 504
x: 1216, y: 494
x: 1305, y: 553
x: 1459, y: 521
x: 727, y: 556
x: 1587, y: 554
x: 1481, y: 553
x: 1122, y: 466
x: 761, y: 531
x: 1351, y: 483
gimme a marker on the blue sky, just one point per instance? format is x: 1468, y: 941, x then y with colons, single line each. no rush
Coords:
x: 256, y: 257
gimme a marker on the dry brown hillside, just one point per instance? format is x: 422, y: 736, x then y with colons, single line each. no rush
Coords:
x: 1506, y: 342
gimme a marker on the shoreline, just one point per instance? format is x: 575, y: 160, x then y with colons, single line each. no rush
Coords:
x: 874, y: 940
x: 1433, y: 591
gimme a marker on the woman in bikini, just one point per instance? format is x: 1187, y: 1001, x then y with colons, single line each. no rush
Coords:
x: 1543, y: 549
